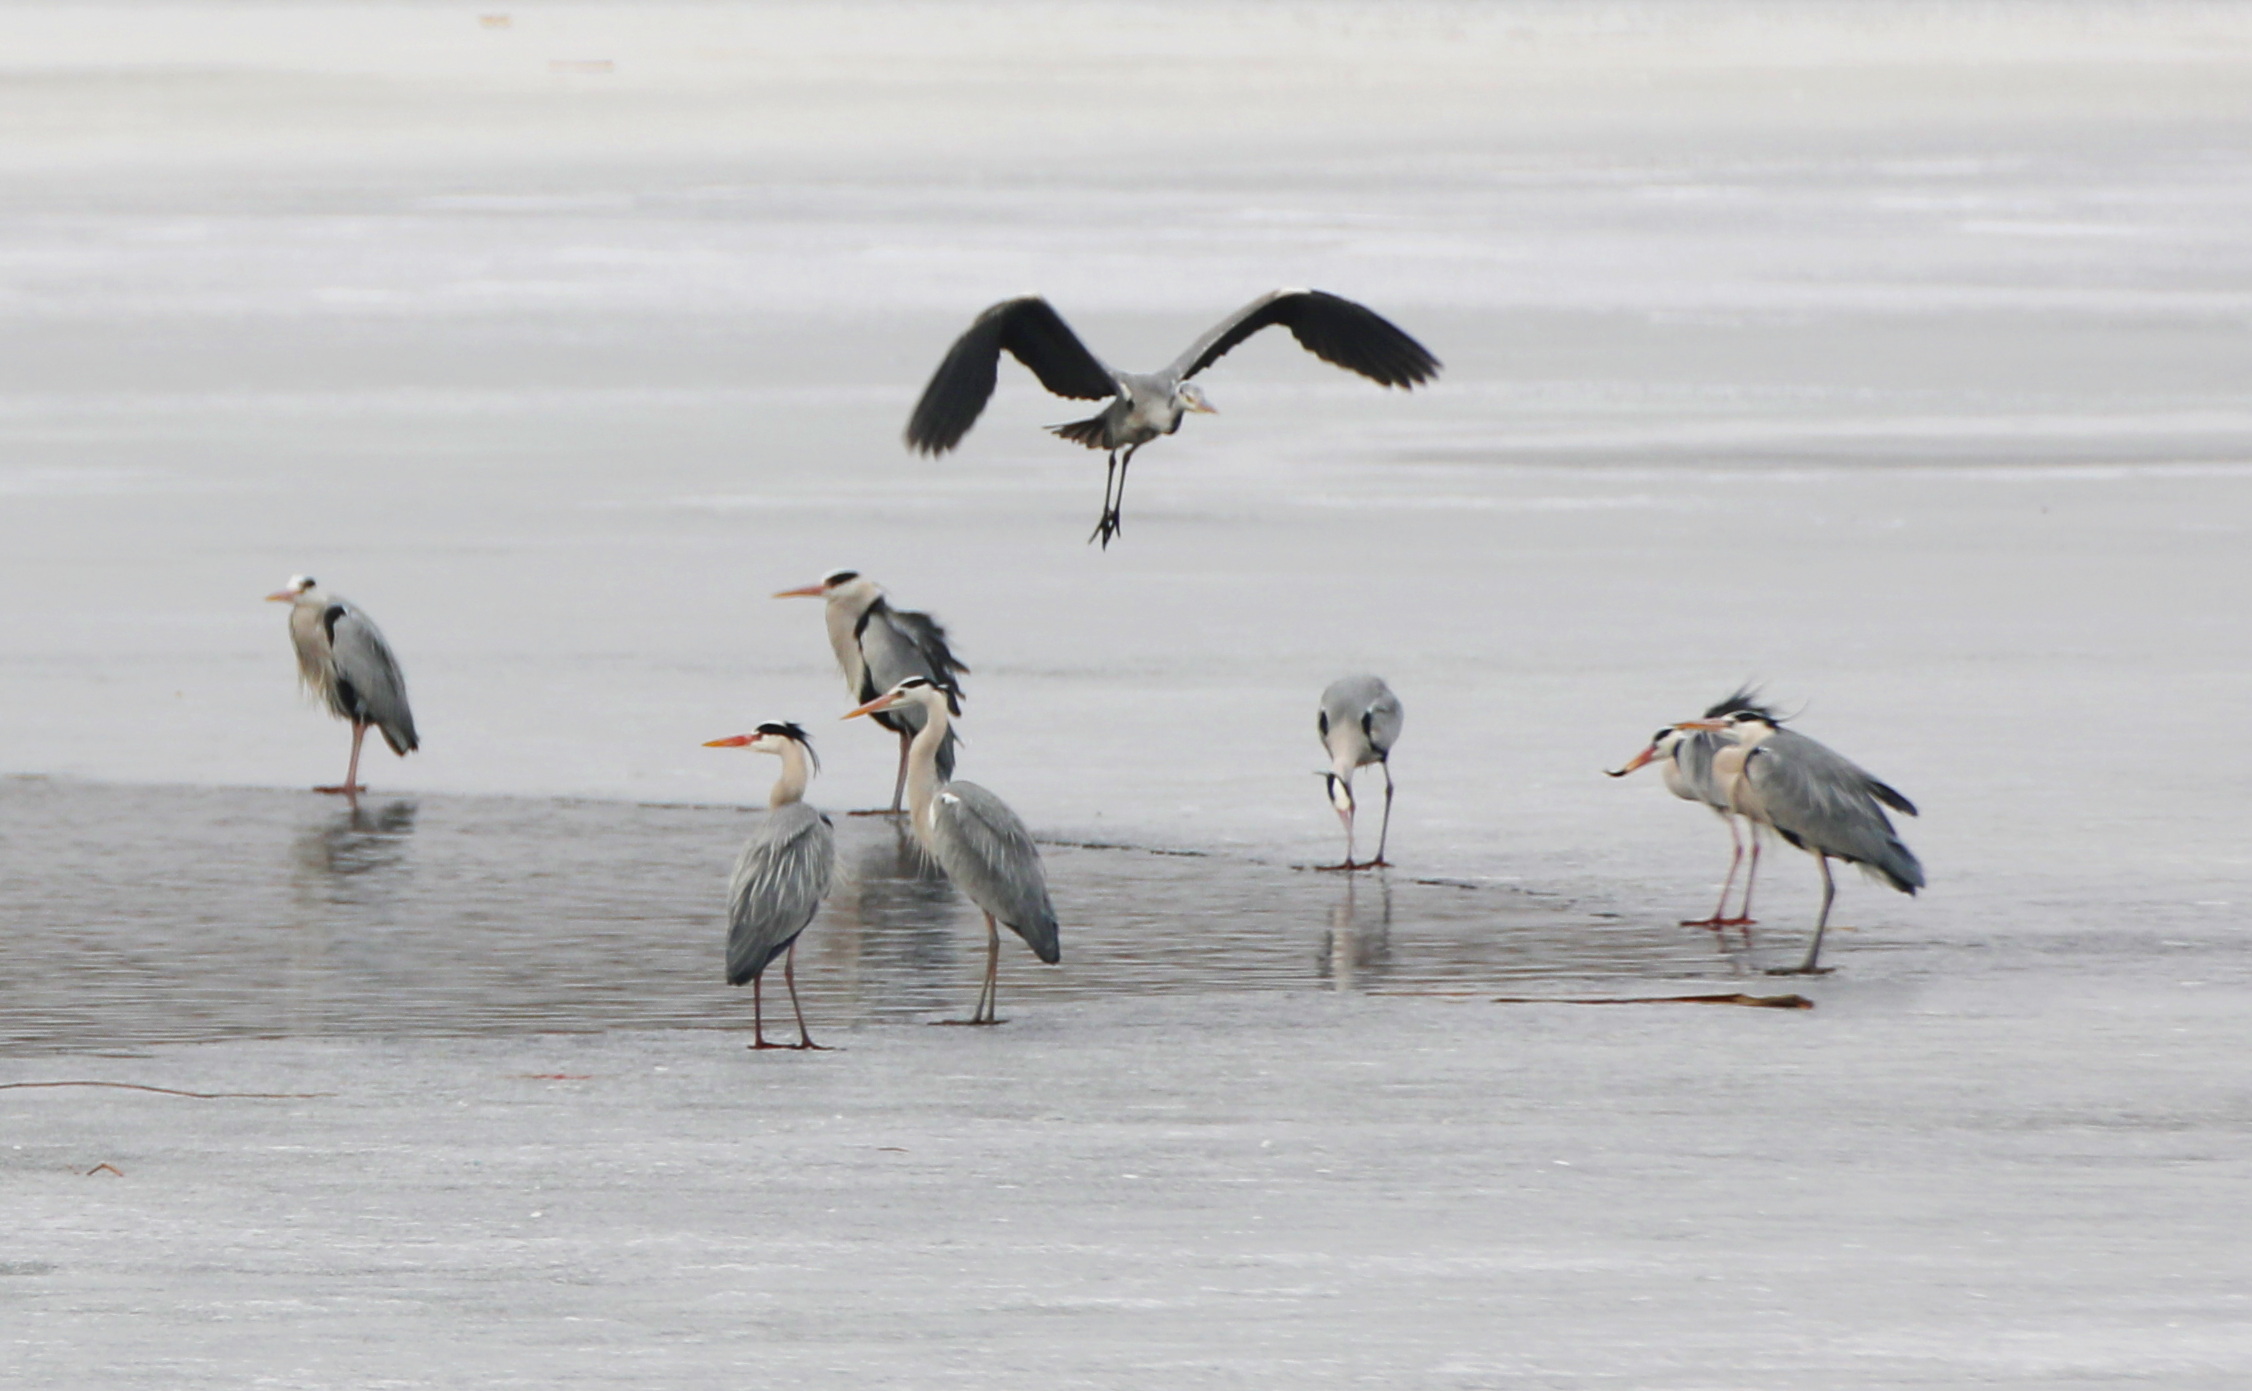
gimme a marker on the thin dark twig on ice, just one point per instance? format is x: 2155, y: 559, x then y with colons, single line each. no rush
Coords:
x: 174, y: 1091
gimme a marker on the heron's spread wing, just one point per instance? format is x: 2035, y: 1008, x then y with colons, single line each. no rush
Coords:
x: 1032, y: 332
x: 1337, y: 331
x: 987, y: 851
x: 369, y: 684
x: 778, y: 885
x: 1820, y: 800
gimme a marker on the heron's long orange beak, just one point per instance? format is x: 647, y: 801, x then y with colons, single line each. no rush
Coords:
x: 1633, y: 763
x: 282, y: 596
x: 732, y: 741
x: 810, y: 591
x: 883, y: 702
x: 1713, y: 725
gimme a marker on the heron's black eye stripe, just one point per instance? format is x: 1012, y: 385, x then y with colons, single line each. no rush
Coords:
x: 1660, y: 736
x: 840, y: 577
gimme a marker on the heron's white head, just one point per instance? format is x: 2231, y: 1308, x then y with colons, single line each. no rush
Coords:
x: 1663, y: 745
x: 1341, y: 798
x: 774, y: 737
x: 1190, y: 397
x: 915, y: 690
x: 837, y: 584
x: 298, y: 586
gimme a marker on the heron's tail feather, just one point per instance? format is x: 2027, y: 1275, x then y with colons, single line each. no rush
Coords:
x: 1089, y: 432
x: 399, y: 734
x: 1899, y: 867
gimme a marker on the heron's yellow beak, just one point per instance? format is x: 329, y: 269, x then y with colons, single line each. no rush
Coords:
x: 282, y: 596
x: 811, y: 591
x: 1714, y: 726
x: 883, y: 702
x: 732, y: 741
x: 1633, y: 763
x: 1204, y: 408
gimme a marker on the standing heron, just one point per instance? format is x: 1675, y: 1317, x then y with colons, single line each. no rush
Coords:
x: 1685, y: 758
x: 1359, y: 723
x: 1144, y: 405
x: 782, y: 877
x: 1817, y: 799
x: 342, y: 658
x: 982, y: 845
x: 878, y: 647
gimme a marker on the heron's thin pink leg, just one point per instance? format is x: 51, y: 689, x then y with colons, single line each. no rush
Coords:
x: 351, y: 787
x: 1720, y: 918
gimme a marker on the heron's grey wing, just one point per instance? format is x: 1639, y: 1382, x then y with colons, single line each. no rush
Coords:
x: 779, y: 883
x: 987, y: 851
x: 369, y: 682
x: 1032, y: 332
x: 1382, y: 721
x: 1818, y: 799
x: 895, y: 646
x: 1336, y: 330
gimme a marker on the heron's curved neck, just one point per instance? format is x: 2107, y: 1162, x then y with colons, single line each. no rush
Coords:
x: 922, y: 764
x: 842, y: 614
x: 790, y: 787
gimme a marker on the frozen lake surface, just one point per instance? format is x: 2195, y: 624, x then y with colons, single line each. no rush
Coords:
x: 1893, y: 355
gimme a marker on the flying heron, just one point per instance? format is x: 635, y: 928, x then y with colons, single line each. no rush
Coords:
x: 981, y: 844
x: 1817, y: 799
x: 1685, y: 758
x: 782, y: 877
x: 1359, y: 722
x: 878, y: 647
x: 1144, y: 405
x: 342, y: 658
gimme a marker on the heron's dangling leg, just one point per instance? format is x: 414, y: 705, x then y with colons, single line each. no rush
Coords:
x: 790, y: 978
x: 1106, y: 524
x: 1821, y: 925
x: 1720, y: 918
x: 351, y: 787
x: 1384, y: 832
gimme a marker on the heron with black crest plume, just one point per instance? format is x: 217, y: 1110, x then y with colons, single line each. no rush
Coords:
x: 343, y: 659
x: 1359, y: 722
x: 1684, y: 757
x: 877, y: 647
x: 1145, y: 405
x: 782, y: 875
x: 982, y: 845
x: 1817, y: 799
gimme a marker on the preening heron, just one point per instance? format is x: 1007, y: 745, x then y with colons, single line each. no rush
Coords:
x: 1685, y: 758
x: 342, y: 658
x: 878, y: 647
x: 1145, y: 405
x: 1818, y: 800
x: 982, y: 845
x: 783, y: 875
x: 1359, y: 722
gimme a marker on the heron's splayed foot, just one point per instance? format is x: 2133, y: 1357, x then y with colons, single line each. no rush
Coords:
x: 878, y: 811
x: 1109, y: 526
x: 1716, y: 923
x: 1800, y: 970
x: 340, y: 790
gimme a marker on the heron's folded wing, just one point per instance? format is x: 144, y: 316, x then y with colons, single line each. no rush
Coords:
x: 362, y: 660
x: 1033, y: 333
x: 986, y: 849
x: 1820, y: 799
x: 1336, y: 330
x: 779, y: 883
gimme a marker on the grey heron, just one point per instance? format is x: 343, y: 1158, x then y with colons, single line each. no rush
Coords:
x: 342, y: 658
x: 1817, y: 799
x: 878, y: 647
x: 1685, y: 759
x: 1359, y: 722
x: 1145, y: 405
x: 782, y: 876
x: 983, y: 846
